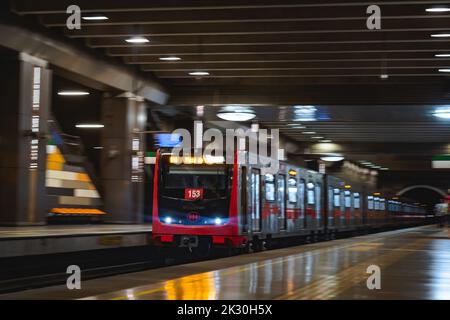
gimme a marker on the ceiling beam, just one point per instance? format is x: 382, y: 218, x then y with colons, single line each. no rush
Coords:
x: 244, y: 16
x: 298, y: 27
x: 313, y: 49
x: 52, y: 7
x: 79, y: 62
x: 307, y: 93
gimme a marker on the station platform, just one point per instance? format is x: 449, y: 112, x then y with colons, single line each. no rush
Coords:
x: 39, y: 240
x: 414, y: 264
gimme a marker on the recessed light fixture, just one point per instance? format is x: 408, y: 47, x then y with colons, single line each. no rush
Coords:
x: 308, y: 132
x: 236, y: 116
x: 95, y: 17
x: 441, y: 9
x: 89, y: 126
x: 171, y: 58
x: 444, y: 70
x: 384, y: 76
x: 199, y: 73
x: 97, y: 148
x: 236, y: 113
x: 384, y: 169
x: 332, y: 158
x: 317, y: 137
x: 73, y: 93
x: 442, y: 55
x: 326, y: 141
x: 440, y: 35
x: 443, y: 113
x: 137, y: 40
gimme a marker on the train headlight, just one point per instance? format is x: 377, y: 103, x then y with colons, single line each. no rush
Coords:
x: 218, y: 221
x: 168, y: 220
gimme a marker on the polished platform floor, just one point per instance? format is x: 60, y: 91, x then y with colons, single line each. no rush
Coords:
x: 414, y: 264
x: 71, y: 230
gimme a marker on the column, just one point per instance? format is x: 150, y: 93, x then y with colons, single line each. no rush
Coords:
x: 24, y: 105
x: 123, y: 158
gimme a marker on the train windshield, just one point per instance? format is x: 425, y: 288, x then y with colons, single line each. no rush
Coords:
x: 194, y: 181
x: 207, y: 181
x: 194, y: 193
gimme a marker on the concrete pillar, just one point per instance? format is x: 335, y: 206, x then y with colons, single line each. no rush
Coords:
x: 24, y: 105
x: 123, y: 158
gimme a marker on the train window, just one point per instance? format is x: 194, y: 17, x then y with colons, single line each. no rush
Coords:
x: 318, y: 202
x: 292, y: 190
x: 215, y: 180
x: 356, y: 200
x: 302, y: 196
x: 376, y: 203
x: 382, y: 204
x: 330, y: 199
x: 270, y: 187
x: 311, y: 197
x: 347, y: 199
x: 336, y: 197
x: 281, y: 182
x: 255, y: 208
x: 370, y: 203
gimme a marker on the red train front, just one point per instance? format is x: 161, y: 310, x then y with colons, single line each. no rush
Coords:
x: 195, y: 202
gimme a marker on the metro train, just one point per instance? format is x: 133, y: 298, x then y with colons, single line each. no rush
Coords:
x: 201, y: 204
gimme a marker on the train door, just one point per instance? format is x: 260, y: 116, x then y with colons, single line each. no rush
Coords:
x: 293, y: 206
x: 330, y: 207
x: 337, y: 207
x: 383, y: 210
x: 348, y: 208
x: 255, y: 200
x: 281, y: 199
x: 244, y: 200
x: 319, y: 222
x: 370, y: 208
x: 376, y: 205
x: 357, y: 208
x: 310, y: 205
x: 302, y: 189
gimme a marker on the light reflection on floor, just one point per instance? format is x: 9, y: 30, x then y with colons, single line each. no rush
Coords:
x: 331, y: 272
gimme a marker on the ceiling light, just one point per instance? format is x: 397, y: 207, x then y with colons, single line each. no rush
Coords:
x: 332, y: 158
x: 73, y: 93
x: 441, y: 35
x: 384, y: 76
x: 443, y: 113
x: 437, y: 9
x: 97, y: 17
x: 384, y: 169
x: 170, y: 58
x: 137, y: 40
x: 444, y: 70
x: 317, y: 137
x: 199, y: 73
x: 308, y: 132
x: 236, y: 116
x: 90, y: 126
x: 326, y: 141
x: 442, y: 55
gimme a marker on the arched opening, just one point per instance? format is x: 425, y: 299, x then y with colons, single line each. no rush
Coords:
x: 424, y: 194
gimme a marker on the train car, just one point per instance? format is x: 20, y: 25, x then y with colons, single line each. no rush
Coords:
x: 201, y: 203
x: 198, y: 205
